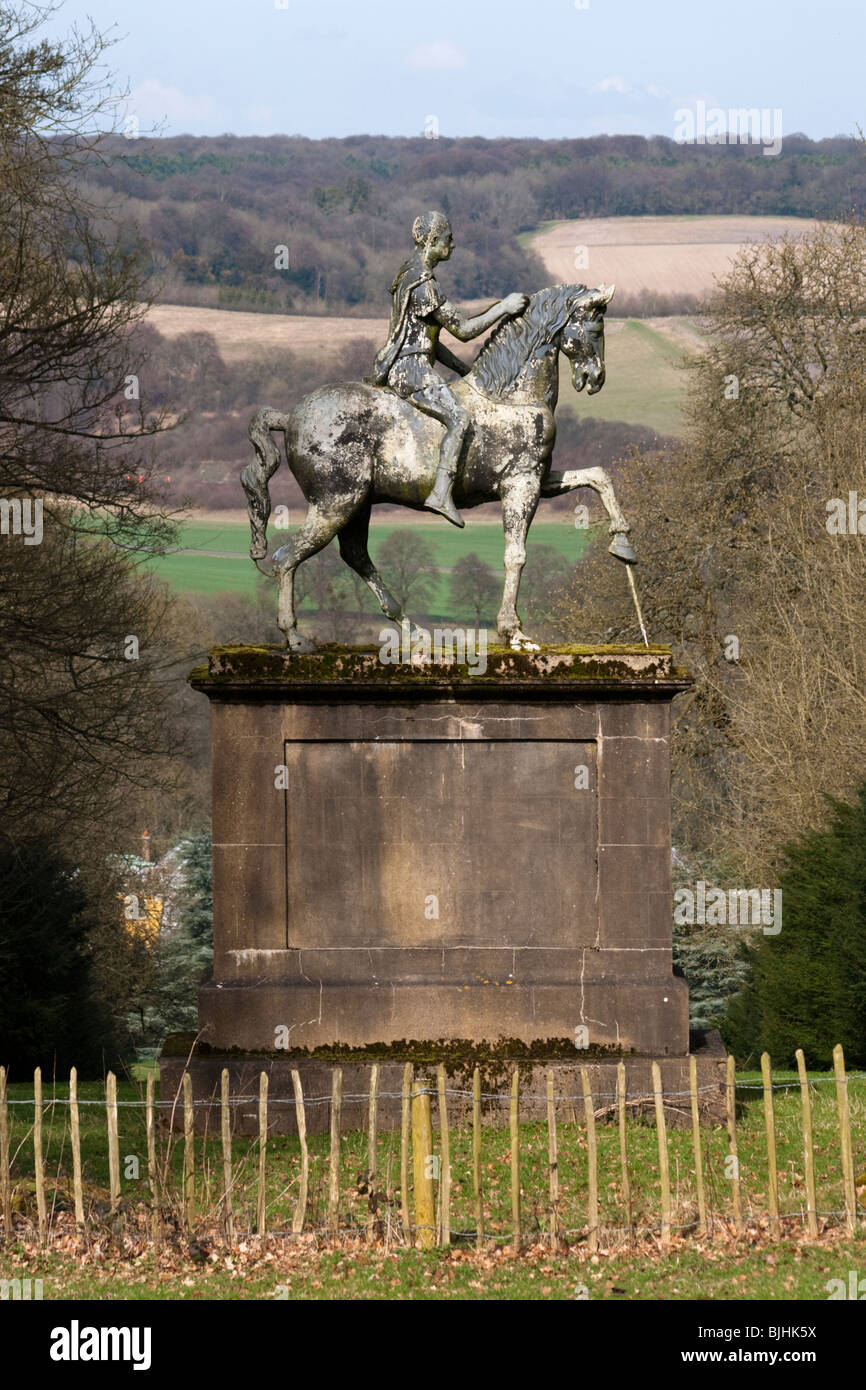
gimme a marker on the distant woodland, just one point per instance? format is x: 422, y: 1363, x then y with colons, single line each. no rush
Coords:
x: 211, y: 213
x: 215, y: 209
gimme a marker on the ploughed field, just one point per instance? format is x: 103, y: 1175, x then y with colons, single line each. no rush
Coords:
x: 658, y: 255
x: 661, y: 255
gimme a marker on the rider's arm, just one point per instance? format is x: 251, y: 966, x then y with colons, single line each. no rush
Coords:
x: 448, y: 359
x: 463, y: 329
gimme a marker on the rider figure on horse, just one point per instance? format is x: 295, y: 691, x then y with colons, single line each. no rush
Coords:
x: 418, y: 311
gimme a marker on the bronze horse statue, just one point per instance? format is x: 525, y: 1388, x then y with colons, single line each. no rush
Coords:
x: 354, y: 444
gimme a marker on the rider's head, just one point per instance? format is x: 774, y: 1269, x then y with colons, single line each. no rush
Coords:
x: 431, y: 232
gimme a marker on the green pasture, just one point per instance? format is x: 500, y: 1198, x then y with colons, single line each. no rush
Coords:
x: 643, y: 382
x: 720, y: 1267
x: 233, y: 570
x: 794, y: 1271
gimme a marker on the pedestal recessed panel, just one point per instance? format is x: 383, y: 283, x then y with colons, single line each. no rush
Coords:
x: 441, y: 844
x: 483, y: 859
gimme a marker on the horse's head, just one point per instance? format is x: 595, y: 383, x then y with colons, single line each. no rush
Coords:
x: 520, y: 356
x: 582, y: 339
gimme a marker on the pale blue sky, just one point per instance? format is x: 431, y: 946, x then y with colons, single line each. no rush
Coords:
x: 543, y: 68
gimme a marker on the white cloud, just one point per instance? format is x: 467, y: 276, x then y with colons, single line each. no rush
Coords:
x: 612, y: 84
x: 440, y: 54
x: 658, y: 93
x: 152, y: 101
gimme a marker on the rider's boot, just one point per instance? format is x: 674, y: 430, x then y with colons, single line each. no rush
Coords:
x: 440, y: 499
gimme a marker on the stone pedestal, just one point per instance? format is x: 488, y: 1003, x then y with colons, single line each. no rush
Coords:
x: 410, y: 856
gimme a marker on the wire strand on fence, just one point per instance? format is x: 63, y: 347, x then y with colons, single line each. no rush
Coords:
x: 428, y: 1226
x: 563, y: 1097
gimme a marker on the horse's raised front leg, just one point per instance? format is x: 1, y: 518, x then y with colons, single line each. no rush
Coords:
x: 600, y: 481
x: 353, y: 549
x: 519, y: 501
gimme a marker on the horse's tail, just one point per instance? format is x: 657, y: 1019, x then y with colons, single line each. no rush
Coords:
x: 257, y: 475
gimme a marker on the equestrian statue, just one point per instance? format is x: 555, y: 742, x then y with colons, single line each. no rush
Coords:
x: 407, y: 436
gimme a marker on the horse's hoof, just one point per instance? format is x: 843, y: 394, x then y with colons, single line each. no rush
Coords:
x: 621, y: 547
x: 296, y: 642
x: 519, y: 643
x: 258, y: 550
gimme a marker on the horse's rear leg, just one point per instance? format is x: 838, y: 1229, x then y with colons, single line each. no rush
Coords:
x: 319, y: 527
x: 353, y: 549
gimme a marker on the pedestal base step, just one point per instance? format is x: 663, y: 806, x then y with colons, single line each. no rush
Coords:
x: 316, y: 1079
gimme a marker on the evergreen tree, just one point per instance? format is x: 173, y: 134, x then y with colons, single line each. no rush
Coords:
x: 184, y: 954
x: 710, y: 959
x: 808, y: 984
x: 49, y: 1016
x: 195, y: 908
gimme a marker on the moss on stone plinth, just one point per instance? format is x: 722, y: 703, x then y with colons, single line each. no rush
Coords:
x: 495, y: 1060
x: 237, y: 666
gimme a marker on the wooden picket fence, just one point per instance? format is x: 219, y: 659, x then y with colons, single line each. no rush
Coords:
x: 423, y: 1222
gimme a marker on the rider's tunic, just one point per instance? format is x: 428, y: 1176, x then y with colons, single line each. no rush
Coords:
x: 406, y: 361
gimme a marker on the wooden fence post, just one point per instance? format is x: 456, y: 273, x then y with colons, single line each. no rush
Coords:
x: 592, y: 1161
x: 770, y: 1128
x: 334, y: 1167
x: 38, y: 1161
x: 261, y: 1205
x: 5, y: 1174
x: 188, y: 1151
x: 664, y: 1166
x: 844, y: 1113
x: 476, y: 1158
x: 553, y: 1165
x: 731, y: 1115
x: 372, y: 1157
x: 808, y: 1146
x: 444, y: 1162
x: 75, y: 1144
x: 373, y: 1122
x: 150, y: 1126
x: 697, y: 1147
x: 113, y: 1141
x: 514, y: 1125
x: 405, y: 1122
x: 300, y: 1211
x: 422, y: 1164
x: 226, y: 1136
x: 621, y: 1094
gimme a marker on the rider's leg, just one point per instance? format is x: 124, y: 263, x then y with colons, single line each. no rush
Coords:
x: 440, y: 499
x: 435, y: 399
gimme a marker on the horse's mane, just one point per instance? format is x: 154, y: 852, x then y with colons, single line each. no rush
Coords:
x: 513, y: 341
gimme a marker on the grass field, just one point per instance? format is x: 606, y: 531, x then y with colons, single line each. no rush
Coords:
x: 309, y: 1270
x: 198, y: 1265
x: 231, y: 568
x: 644, y: 382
